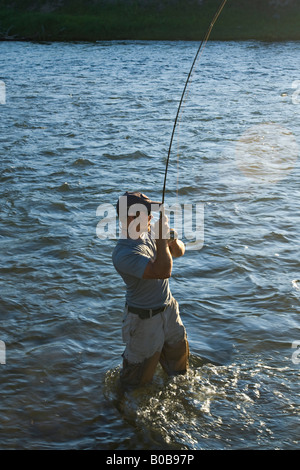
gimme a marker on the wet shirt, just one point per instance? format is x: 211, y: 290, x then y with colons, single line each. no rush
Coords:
x: 130, y: 258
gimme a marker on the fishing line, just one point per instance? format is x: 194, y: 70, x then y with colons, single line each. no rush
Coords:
x: 200, y: 48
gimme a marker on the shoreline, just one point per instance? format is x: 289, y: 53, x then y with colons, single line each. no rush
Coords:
x: 136, y: 20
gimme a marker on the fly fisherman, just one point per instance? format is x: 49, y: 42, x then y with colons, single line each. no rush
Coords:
x: 152, y: 328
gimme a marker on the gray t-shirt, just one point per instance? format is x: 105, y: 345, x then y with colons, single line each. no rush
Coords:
x: 130, y: 258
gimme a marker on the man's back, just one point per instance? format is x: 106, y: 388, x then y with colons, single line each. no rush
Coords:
x: 130, y: 258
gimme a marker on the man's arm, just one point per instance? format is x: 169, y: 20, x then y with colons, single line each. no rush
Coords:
x: 177, y: 248
x: 161, y: 267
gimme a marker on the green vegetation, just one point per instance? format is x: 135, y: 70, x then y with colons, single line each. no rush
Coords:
x: 92, y: 20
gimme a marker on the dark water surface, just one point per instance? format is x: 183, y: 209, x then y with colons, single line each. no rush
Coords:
x: 81, y: 124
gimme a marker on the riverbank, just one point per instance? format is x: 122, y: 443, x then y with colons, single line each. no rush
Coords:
x: 63, y: 20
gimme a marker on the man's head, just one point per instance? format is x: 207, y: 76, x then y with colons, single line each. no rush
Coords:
x: 130, y: 198
x: 134, y: 211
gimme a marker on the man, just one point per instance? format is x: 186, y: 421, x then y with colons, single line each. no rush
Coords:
x: 152, y: 327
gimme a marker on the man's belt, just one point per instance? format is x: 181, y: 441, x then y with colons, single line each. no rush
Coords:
x: 146, y: 313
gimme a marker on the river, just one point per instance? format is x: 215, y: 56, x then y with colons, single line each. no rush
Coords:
x: 81, y: 123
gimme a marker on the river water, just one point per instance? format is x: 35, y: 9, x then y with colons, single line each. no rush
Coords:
x: 80, y: 124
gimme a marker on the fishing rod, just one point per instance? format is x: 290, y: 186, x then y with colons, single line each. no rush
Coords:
x: 202, y: 45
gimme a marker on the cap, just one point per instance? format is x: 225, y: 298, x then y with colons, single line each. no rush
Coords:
x: 133, y: 197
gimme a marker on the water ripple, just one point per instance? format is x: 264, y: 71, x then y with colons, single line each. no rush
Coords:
x: 77, y: 133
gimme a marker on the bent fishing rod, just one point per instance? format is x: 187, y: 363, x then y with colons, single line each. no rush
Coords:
x: 201, y: 47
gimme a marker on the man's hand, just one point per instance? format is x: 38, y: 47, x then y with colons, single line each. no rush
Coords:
x: 161, y: 229
x: 176, y: 247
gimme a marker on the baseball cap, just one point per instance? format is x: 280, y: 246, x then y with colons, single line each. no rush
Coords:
x: 134, y: 197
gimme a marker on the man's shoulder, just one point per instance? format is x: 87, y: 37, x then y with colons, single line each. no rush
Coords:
x: 130, y: 258
x: 144, y: 246
x: 121, y: 246
x: 148, y: 239
x: 124, y: 246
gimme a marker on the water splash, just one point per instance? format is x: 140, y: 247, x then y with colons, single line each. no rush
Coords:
x: 200, y: 410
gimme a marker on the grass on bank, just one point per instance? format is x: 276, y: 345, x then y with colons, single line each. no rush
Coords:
x: 181, y: 20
